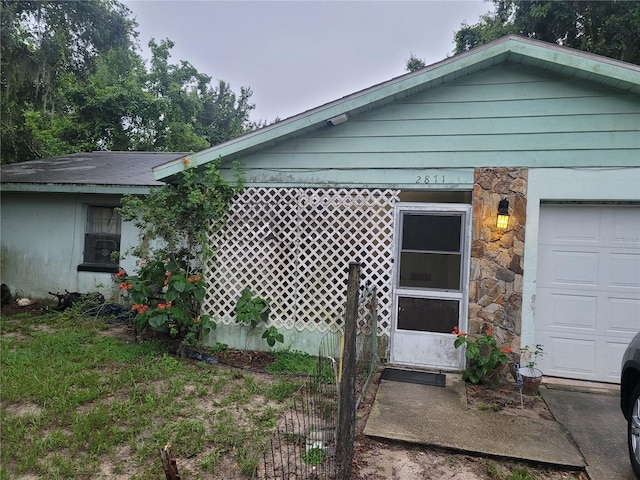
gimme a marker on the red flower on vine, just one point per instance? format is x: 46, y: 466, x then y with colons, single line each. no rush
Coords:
x: 163, y: 306
x: 126, y: 286
x: 140, y: 308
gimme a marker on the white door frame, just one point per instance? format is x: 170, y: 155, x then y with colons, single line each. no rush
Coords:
x: 436, y: 349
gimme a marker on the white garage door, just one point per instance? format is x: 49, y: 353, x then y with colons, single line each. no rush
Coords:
x: 587, y: 305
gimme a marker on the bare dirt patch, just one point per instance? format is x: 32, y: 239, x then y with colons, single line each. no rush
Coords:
x: 505, y: 398
x: 20, y: 409
x: 255, y: 361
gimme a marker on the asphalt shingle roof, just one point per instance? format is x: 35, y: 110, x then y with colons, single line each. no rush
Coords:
x: 94, y: 168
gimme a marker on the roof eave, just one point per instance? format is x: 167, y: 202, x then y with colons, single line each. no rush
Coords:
x: 75, y: 188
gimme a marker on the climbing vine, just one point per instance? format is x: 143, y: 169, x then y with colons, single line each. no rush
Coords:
x: 175, y: 221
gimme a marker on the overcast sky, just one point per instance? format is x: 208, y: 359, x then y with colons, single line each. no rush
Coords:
x: 297, y: 55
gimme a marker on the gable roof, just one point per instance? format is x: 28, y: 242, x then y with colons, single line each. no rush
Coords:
x: 515, y: 49
x: 94, y: 172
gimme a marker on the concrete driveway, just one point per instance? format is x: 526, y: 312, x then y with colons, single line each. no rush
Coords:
x: 593, y: 418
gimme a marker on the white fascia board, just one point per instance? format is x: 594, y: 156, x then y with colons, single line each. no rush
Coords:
x: 578, y: 60
x: 88, y: 189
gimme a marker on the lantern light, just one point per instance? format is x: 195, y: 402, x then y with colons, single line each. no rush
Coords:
x: 503, y: 214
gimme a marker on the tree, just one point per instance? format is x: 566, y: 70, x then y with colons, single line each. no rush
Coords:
x: 414, y: 63
x: 193, y: 114
x: 609, y: 28
x: 110, y: 110
x: 72, y: 80
x: 44, y: 47
x: 225, y: 115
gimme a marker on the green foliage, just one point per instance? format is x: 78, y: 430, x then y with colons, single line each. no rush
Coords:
x: 180, y: 215
x: 272, y: 335
x: 494, y: 407
x: 483, y: 355
x: 532, y: 354
x: 251, y: 310
x: 44, y: 48
x: 287, y: 362
x: 314, y: 456
x: 605, y: 28
x: 168, y: 290
x: 72, y: 80
x: 174, y: 308
x: 521, y: 473
x: 414, y: 63
x: 282, y: 389
x: 85, y: 395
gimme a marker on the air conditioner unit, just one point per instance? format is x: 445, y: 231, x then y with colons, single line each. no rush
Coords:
x: 99, y: 247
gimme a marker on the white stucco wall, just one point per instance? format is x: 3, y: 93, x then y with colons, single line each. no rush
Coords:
x: 42, y: 243
x: 566, y: 184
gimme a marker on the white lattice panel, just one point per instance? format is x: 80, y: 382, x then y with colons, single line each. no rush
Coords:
x: 293, y: 248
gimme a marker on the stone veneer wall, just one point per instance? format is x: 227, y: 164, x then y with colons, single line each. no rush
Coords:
x: 495, y: 290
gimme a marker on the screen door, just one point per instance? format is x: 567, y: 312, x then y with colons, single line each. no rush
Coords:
x: 431, y: 265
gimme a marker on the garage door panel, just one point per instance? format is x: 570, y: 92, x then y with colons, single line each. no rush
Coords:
x: 582, y: 358
x: 574, y: 228
x: 569, y: 268
x: 588, y: 289
x: 566, y: 310
x: 623, y: 270
x: 612, y: 364
x: 566, y: 356
x: 624, y: 227
x: 623, y: 315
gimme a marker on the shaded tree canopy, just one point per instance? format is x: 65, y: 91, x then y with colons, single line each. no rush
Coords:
x: 72, y: 80
x: 609, y: 28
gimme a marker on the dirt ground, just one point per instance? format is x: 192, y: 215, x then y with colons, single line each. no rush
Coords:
x: 388, y: 460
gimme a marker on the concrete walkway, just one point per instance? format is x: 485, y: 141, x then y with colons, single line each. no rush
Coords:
x: 439, y: 417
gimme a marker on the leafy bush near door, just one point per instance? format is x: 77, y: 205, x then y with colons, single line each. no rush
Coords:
x: 483, y: 355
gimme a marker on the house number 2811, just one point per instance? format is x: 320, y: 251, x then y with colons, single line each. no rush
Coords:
x: 430, y: 179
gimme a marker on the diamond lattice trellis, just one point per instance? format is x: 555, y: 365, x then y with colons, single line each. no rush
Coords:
x: 292, y: 246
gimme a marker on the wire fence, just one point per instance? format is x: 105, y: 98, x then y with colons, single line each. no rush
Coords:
x: 304, y: 443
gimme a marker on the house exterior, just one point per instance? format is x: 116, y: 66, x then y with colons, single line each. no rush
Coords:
x: 407, y: 176
x: 59, y: 226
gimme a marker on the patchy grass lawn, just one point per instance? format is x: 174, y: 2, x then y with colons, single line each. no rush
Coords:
x: 80, y: 399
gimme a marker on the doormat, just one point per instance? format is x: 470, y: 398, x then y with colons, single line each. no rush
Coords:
x: 408, y: 376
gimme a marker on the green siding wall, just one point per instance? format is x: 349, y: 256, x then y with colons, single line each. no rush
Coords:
x: 509, y: 115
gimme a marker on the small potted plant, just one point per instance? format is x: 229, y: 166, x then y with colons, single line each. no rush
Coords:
x: 531, y: 376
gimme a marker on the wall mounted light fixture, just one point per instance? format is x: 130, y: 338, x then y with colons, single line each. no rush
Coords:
x: 332, y: 122
x: 503, y: 214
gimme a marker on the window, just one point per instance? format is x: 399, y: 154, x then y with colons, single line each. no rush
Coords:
x: 101, y: 239
x: 431, y: 252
